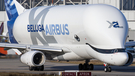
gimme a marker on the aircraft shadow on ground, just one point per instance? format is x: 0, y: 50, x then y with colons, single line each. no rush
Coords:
x: 96, y: 68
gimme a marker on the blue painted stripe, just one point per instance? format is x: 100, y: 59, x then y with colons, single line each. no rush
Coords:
x: 10, y: 2
x: 10, y: 30
x: 12, y: 7
x: 12, y: 15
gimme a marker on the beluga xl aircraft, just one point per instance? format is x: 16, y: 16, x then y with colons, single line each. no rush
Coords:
x: 67, y: 33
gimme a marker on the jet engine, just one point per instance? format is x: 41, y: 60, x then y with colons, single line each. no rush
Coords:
x: 33, y: 58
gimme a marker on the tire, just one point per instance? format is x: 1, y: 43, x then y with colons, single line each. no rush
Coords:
x: 106, y: 69
x: 31, y: 68
x: 86, y: 66
x: 41, y: 68
x: 80, y: 67
x: 36, y: 68
x: 109, y: 69
x: 91, y: 67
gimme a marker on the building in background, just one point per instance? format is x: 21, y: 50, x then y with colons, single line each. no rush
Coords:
x: 126, y: 6
x: 128, y: 9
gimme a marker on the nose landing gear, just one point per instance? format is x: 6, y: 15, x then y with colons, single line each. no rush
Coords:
x: 107, y: 68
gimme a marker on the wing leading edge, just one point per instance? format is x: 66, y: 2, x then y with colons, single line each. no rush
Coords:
x: 47, y: 50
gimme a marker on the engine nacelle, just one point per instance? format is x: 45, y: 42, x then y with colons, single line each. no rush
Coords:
x: 33, y: 58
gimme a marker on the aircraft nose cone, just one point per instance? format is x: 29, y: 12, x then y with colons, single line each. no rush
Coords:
x: 125, y: 58
x: 129, y: 60
x: 121, y: 59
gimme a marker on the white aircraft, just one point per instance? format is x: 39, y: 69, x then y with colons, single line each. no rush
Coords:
x: 71, y: 32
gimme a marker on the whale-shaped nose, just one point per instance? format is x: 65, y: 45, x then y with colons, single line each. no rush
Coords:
x: 122, y: 58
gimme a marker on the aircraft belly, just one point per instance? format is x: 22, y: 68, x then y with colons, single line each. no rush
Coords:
x: 81, y: 51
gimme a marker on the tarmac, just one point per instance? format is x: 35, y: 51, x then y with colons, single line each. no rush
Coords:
x: 15, y: 65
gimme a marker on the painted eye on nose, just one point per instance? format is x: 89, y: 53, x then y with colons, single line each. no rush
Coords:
x: 77, y: 38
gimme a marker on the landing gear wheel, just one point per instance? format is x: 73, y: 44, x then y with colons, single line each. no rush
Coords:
x: 86, y: 66
x: 80, y: 67
x: 38, y: 68
x: 31, y: 68
x: 41, y: 68
x: 91, y: 66
x: 107, y: 69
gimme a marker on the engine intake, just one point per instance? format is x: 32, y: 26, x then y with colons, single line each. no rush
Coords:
x: 33, y: 58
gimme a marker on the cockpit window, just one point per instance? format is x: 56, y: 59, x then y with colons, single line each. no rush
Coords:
x: 106, y: 50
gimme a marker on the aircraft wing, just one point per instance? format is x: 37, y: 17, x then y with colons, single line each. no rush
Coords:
x: 45, y: 49
x: 130, y: 44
